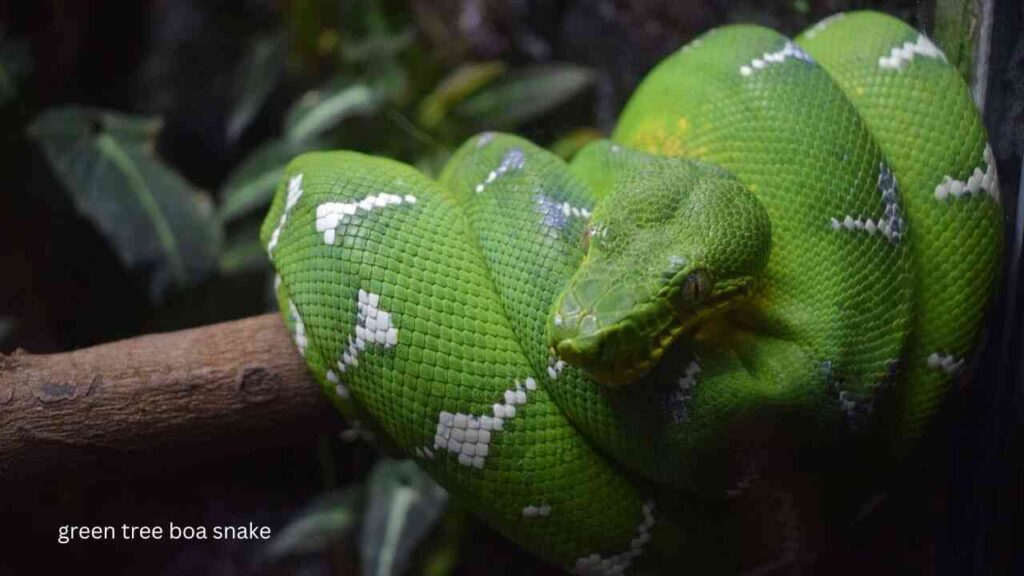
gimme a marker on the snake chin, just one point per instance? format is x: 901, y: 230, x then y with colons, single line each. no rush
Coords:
x: 593, y: 353
x: 622, y: 351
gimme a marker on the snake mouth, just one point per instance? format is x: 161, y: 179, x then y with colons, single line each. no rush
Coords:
x: 623, y: 348
x: 591, y: 352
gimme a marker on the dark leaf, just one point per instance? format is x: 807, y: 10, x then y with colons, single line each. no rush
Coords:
x: 375, y: 48
x: 251, y: 185
x: 322, y: 524
x: 432, y: 163
x: 242, y: 249
x: 523, y: 95
x: 258, y: 74
x: 568, y: 145
x: 15, y: 63
x: 403, y: 505
x: 149, y: 213
x: 243, y: 255
x: 323, y: 109
x: 462, y: 82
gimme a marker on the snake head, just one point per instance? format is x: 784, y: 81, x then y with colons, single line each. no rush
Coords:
x: 672, y: 243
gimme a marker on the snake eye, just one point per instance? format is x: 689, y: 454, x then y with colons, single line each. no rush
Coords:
x: 696, y: 286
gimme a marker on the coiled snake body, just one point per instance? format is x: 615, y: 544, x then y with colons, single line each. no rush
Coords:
x: 794, y: 236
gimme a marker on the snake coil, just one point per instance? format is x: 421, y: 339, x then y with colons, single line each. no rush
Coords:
x: 783, y: 238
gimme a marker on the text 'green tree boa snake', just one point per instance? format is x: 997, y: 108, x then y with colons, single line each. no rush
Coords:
x: 782, y: 239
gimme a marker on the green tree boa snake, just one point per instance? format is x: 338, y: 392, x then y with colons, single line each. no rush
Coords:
x: 782, y: 239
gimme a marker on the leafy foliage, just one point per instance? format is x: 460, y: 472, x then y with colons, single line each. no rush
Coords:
x: 381, y: 95
x: 151, y: 215
x: 403, y: 505
x: 257, y: 76
x: 327, y: 520
x: 390, y: 517
x: 251, y: 185
x: 333, y: 75
x: 374, y: 88
x: 522, y: 95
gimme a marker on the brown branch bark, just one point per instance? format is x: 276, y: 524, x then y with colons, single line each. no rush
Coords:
x: 155, y: 400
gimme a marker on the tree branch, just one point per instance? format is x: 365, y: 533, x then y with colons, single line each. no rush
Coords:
x: 147, y: 401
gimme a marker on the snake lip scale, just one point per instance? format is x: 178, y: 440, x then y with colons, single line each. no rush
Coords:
x: 588, y: 349
x: 779, y: 260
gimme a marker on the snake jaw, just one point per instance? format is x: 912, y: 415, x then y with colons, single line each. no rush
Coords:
x: 599, y: 350
x: 618, y: 335
x: 624, y: 343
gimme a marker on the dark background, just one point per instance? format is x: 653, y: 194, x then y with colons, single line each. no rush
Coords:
x: 63, y: 286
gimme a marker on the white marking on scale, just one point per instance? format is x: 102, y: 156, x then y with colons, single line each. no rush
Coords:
x: 901, y: 55
x: 536, y: 511
x: 300, y: 329
x: 891, y: 224
x: 373, y: 326
x: 424, y: 452
x: 294, y: 193
x: 976, y: 183
x: 946, y: 362
x: 339, y: 387
x: 512, y: 160
x: 569, y: 210
x: 788, y: 50
x: 595, y: 565
x: 555, y: 367
x: 330, y: 214
x: 484, y: 139
x: 469, y: 436
x: 557, y: 213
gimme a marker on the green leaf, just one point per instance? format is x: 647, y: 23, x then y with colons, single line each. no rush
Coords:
x: 251, y: 185
x: 154, y: 219
x: 403, y: 505
x: 389, y: 82
x: 258, y: 74
x: 242, y: 249
x: 321, y: 110
x: 322, y: 524
x: 523, y: 95
x: 569, y: 144
x: 463, y: 81
x: 432, y: 163
x: 242, y: 255
x: 377, y: 47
